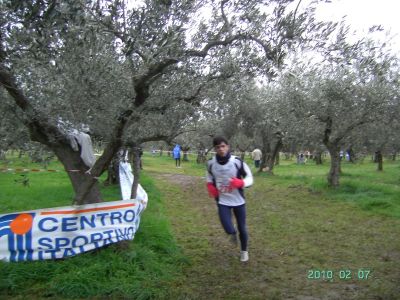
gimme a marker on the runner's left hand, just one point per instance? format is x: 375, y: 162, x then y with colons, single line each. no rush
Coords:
x: 236, y: 183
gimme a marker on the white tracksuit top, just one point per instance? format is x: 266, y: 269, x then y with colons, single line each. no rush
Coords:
x: 220, y: 175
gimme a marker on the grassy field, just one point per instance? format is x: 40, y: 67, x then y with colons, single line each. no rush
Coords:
x: 299, y: 230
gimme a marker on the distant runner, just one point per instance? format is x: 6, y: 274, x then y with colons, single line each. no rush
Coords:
x: 177, y: 155
x: 226, y: 177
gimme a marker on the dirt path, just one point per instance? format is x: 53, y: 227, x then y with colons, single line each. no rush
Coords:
x: 291, y: 232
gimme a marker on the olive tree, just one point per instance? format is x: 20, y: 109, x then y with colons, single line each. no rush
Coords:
x: 347, y: 90
x: 107, y: 65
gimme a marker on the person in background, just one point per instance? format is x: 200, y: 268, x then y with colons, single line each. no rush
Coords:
x: 177, y: 155
x: 301, y: 160
x: 227, y: 176
x: 256, y: 156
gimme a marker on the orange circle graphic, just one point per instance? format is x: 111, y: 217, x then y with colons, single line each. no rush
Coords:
x: 21, y: 224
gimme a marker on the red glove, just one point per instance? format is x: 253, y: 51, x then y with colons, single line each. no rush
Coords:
x: 236, y: 183
x: 212, y: 190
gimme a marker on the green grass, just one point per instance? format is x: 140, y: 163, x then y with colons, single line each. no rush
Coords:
x: 145, y: 268
x: 360, y: 184
x: 162, y: 164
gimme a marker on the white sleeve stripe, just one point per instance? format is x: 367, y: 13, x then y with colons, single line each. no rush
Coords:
x: 248, y: 180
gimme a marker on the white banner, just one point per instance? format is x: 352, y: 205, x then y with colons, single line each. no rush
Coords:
x: 126, y: 181
x: 67, y: 231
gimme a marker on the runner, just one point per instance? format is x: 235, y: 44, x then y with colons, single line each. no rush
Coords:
x: 177, y: 155
x: 227, y: 176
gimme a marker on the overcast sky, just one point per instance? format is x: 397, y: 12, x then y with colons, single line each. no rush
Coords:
x: 362, y: 14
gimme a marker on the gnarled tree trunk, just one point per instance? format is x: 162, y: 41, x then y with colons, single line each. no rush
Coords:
x: 270, y: 151
x: 79, y: 175
x: 135, y: 158
x: 201, y: 157
x: 318, y: 157
x: 185, y: 153
x: 352, y: 156
x: 379, y: 160
x: 273, y: 157
x: 334, y: 172
x: 265, y: 157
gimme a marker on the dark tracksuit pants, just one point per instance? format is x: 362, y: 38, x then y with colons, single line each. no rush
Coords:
x: 225, y: 216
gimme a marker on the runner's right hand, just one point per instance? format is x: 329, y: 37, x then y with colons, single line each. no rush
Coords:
x: 212, y: 190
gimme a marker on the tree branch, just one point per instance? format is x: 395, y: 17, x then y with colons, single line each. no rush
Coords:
x: 142, y: 83
x: 38, y: 124
x: 203, y: 53
x: 227, y: 25
x: 352, y: 126
x: 327, y: 131
x: 269, y: 53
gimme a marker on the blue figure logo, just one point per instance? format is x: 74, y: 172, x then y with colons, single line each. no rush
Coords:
x: 18, y: 229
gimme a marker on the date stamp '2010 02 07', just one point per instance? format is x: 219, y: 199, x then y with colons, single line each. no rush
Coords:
x: 342, y: 274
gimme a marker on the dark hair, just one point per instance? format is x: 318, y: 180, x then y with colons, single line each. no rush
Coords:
x: 218, y: 140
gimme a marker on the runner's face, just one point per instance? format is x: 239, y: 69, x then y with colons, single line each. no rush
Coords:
x: 222, y: 149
